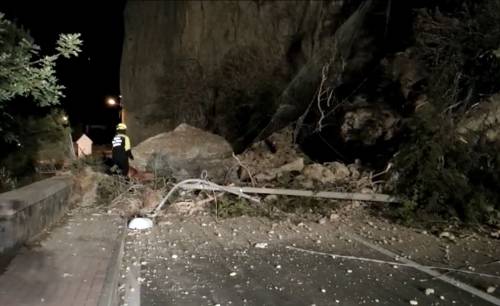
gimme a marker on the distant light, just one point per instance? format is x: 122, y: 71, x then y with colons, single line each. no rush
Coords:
x: 111, y: 102
x: 65, y: 118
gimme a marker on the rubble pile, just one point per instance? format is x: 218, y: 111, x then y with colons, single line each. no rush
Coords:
x: 273, y: 163
x: 278, y: 162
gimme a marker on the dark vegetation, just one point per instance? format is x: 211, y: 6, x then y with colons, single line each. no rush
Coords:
x: 441, y: 171
x: 31, y: 128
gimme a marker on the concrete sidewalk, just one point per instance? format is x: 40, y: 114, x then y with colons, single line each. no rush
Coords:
x: 76, y: 263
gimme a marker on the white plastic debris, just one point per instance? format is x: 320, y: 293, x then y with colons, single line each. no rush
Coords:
x: 448, y: 235
x: 261, y: 245
x: 140, y: 223
x: 413, y: 302
x: 491, y: 289
x: 232, y: 274
x: 429, y: 291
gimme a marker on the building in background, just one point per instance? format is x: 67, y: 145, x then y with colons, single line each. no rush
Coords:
x: 83, y: 146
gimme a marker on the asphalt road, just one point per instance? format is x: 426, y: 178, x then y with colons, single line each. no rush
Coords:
x: 202, y: 262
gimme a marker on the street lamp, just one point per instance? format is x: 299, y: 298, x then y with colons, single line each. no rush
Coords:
x: 116, y: 102
x: 111, y: 102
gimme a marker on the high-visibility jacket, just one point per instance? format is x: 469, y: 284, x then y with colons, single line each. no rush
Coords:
x: 121, y: 151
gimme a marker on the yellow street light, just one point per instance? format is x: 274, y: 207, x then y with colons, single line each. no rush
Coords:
x: 111, y: 102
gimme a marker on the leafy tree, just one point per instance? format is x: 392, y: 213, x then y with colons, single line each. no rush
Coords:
x: 25, y: 72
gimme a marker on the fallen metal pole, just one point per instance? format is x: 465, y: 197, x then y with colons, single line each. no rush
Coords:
x: 374, y: 197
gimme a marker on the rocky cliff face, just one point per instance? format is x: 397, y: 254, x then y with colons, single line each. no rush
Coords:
x: 345, y: 74
x: 216, y: 64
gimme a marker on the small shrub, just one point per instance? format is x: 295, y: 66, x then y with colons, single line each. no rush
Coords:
x: 7, y: 181
x: 228, y: 207
x: 442, y: 172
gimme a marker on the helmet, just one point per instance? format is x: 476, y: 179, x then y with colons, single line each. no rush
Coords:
x: 121, y: 126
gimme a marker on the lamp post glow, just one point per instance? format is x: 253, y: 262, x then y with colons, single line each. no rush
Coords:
x: 111, y: 102
x: 114, y: 102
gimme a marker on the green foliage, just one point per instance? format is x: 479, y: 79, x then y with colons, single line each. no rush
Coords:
x: 110, y: 187
x: 226, y: 207
x: 24, y: 72
x: 443, y: 173
x: 41, y: 138
x: 7, y: 181
x: 440, y: 170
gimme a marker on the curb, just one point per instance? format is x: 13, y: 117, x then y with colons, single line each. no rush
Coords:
x: 109, y: 294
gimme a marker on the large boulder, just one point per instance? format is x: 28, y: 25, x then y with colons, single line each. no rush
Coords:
x: 184, y: 153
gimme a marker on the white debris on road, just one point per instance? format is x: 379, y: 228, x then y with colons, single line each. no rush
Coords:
x: 429, y: 291
x: 261, y: 245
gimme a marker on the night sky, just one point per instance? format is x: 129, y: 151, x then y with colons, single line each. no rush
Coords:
x: 94, y: 75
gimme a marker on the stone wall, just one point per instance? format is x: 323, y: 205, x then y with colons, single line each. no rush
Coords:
x: 27, y: 211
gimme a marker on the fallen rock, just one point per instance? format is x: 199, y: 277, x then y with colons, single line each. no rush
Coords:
x: 295, y: 166
x: 307, y: 184
x: 334, y: 217
x: 429, y: 291
x: 495, y: 234
x: 375, y: 122
x: 483, y: 119
x: 354, y: 171
x: 184, y: 153
x: 447, y: 235
x: 265, y: 177
x: 491, y: 289
x: 320, y: 173
x: 367, y: 190
x: 339, y: 170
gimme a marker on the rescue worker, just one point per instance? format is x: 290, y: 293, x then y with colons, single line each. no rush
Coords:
x: 121, y: 151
